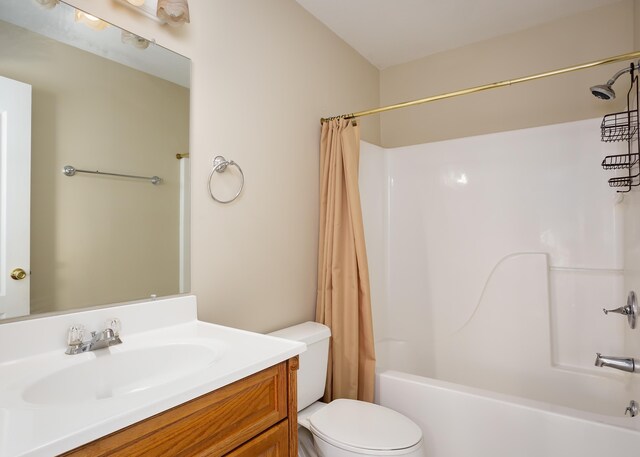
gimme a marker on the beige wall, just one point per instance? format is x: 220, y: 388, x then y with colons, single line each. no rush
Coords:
x: 636, y: 25
x: 264, y: 72
x: 263, y: 75
x: 588, y: 36
x: 98, y: 240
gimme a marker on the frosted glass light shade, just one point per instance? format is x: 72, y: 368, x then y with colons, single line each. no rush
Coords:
x: 173, y: 12
x: 47, y: 3
x: 90, y: 21
x: 134, y: 40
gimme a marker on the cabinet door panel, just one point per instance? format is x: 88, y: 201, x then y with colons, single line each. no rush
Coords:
x: 272, y: 443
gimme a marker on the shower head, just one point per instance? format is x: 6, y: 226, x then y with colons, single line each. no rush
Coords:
x: 605, y: 91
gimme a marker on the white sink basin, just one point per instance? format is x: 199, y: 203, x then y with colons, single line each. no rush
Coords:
x: 51, y: 402
x: 112, y: 373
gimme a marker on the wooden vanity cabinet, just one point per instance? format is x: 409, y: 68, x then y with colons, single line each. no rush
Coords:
x: 256, y: 416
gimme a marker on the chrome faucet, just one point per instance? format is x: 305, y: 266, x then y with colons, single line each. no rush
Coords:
x: 619, y: 363
x: 110, y: 336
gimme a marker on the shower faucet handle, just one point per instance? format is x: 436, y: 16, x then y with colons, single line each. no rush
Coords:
x: 632, y: 409
x: 630, y: 310
x: 624, y: 310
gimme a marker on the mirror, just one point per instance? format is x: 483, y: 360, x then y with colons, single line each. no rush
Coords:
x: 101, y: 100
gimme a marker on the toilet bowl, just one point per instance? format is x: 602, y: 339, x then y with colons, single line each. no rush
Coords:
x: 343, y: 428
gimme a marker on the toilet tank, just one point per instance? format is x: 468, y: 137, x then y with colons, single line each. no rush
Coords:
x: 312, y: 374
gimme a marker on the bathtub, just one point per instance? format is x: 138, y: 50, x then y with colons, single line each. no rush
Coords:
x: 461, y: 421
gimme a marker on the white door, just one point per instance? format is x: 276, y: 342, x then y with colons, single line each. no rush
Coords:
x: 15, y: 196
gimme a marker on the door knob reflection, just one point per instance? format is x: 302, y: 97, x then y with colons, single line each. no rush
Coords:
x: 18, y: 274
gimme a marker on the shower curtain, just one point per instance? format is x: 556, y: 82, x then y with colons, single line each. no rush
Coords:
x: 344, y: 301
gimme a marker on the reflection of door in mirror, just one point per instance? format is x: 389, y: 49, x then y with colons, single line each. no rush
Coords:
x: 15, y: 158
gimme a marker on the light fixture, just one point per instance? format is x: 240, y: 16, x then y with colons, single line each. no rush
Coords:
x: 134, y: 40
x: 48, y: 4
x: 90, y: 21
x: 173, y: 12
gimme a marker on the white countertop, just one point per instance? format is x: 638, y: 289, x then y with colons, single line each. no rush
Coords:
x: 34, y: 428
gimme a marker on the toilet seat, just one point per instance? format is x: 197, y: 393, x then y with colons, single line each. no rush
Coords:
x: 366, y: 428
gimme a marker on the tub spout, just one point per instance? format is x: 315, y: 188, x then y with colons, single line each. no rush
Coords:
x: 619, y: 363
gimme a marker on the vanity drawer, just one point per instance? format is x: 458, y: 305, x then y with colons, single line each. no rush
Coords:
x: 211, y: 425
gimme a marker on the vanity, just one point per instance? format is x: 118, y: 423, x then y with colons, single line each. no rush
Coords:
x: 174, y: 386
x: 250, y: 417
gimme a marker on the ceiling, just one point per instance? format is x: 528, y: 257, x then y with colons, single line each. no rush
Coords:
x: 391, y: 32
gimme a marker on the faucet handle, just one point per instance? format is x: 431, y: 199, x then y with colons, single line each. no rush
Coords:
x: 75, y: 335
x: 632, y: 409
x: 622, y: 310
x: 115, y: 325
x: 630, y: 310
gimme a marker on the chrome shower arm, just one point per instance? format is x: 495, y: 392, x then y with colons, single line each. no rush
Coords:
x: 619, y: 73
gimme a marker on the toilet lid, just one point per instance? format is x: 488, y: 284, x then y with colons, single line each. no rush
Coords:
x: 362, y: 425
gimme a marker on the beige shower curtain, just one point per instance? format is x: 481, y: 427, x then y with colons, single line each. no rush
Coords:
x: 343, y: 301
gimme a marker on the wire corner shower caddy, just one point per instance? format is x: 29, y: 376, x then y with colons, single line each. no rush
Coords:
x: 623, y: 126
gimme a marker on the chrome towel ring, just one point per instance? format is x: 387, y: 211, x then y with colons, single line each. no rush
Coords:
x: 220, y: 165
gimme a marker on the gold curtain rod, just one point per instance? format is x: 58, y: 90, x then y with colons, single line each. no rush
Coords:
x: 471, y: 90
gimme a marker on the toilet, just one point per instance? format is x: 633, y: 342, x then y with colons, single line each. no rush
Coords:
x: 343, y: 428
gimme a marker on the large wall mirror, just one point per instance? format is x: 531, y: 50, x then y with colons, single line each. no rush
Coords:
x: 75, y: 91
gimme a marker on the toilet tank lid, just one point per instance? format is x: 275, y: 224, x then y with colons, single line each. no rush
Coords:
x: 307, y: 332
x: 352, y: 424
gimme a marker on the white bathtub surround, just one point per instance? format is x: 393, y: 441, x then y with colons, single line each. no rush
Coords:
x: 459, y: 421
x: 51, y: 402
x: 494, y: 256
x: 632, y: 259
